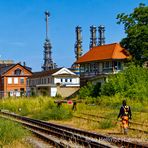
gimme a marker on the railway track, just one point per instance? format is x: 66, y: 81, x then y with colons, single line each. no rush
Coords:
x: 81, y: 137
x: 132, y: 123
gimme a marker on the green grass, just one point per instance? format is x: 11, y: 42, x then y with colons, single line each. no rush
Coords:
x: 105, y: 124
x: 27, y: 106
x: 10, y: 132
x: 54, y: 114
x: 42, y: 108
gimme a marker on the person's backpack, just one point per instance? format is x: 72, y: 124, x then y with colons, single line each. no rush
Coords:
x: 126, y: 110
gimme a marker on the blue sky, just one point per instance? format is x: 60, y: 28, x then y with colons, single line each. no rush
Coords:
x: 22, y: 27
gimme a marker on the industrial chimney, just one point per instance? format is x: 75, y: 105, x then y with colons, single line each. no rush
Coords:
x: 78, y: 44
x: 101, y: 30
x: 93, y: 38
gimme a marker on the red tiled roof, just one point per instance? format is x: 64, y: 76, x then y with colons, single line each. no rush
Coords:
x: 5, y: 69
x: 104, y: 52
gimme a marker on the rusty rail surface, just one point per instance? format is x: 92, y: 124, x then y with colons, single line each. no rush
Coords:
x: 72, y: 133
x: 133, y: 129
x: 131, y: 122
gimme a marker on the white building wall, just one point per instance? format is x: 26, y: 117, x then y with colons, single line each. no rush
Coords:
x: 53, y: 91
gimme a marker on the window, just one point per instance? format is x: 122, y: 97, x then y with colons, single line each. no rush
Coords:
x: 70, y: 80
x: 17, y: 72
x: 15, y: 80
x: 48, y: 80
x: 22, y: 80
x: 2, y: 80
x: 61, y: 80
x: 107, y: 65
x: 9, y: 80
x: 65, y: 80
x: 44, y: 80
x: 117, y: 65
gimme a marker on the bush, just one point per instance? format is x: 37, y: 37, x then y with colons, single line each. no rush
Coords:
x: 10, y: 131
x: 132, y: 83
x: 90, y: 90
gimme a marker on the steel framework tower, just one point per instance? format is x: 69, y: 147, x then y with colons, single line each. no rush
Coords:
x: 48, y: 63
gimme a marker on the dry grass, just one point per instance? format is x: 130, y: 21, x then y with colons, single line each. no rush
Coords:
x: 18, y: 144
x: 139, y: 117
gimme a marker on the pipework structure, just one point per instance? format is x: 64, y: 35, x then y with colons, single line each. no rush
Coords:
x: 78, y: 44
x: 93, y: 39
x: 101, y: 30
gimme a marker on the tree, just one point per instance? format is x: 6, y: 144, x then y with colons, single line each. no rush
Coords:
x: 136, y: 28
x: 132, y: 83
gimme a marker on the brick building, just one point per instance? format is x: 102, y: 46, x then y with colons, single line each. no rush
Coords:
x: 13, y: 79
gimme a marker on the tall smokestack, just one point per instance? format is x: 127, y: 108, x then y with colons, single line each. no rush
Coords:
x: 101, y: 30
x: 93, y: 38
x: 78, y: 44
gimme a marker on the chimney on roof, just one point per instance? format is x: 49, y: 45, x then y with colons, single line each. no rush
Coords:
x: 101, y: 30
x: 78, y: 44
x: 24, y: 64
x: 93, y: 41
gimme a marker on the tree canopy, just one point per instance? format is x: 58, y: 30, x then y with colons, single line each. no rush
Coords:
x: 136, y: 28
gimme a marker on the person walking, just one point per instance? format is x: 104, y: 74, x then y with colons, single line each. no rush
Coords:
x: 125, y: 114
x: 74, y: 106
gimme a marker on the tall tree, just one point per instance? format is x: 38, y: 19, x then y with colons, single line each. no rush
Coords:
x: 136, y: 28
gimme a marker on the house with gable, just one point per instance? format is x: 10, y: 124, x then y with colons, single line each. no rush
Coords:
x: 13, y: 79
x: 101, y: 61
x: 59, y: 81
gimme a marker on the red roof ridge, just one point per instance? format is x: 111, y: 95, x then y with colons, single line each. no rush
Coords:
x: 107, y: 44
x: 114, y: 49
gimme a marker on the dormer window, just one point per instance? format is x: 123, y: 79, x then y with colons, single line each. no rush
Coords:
x: 17, y: 72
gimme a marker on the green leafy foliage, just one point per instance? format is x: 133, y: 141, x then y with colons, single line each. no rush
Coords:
x: 90, y: 90
x: 132, y: 83
x: 136, y: 28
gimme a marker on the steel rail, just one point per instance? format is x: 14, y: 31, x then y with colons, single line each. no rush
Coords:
x: 116, y: 141
x: 131, y: 122
x: 42, y: 136
x: 134, y: 129
x: 58, y: 132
